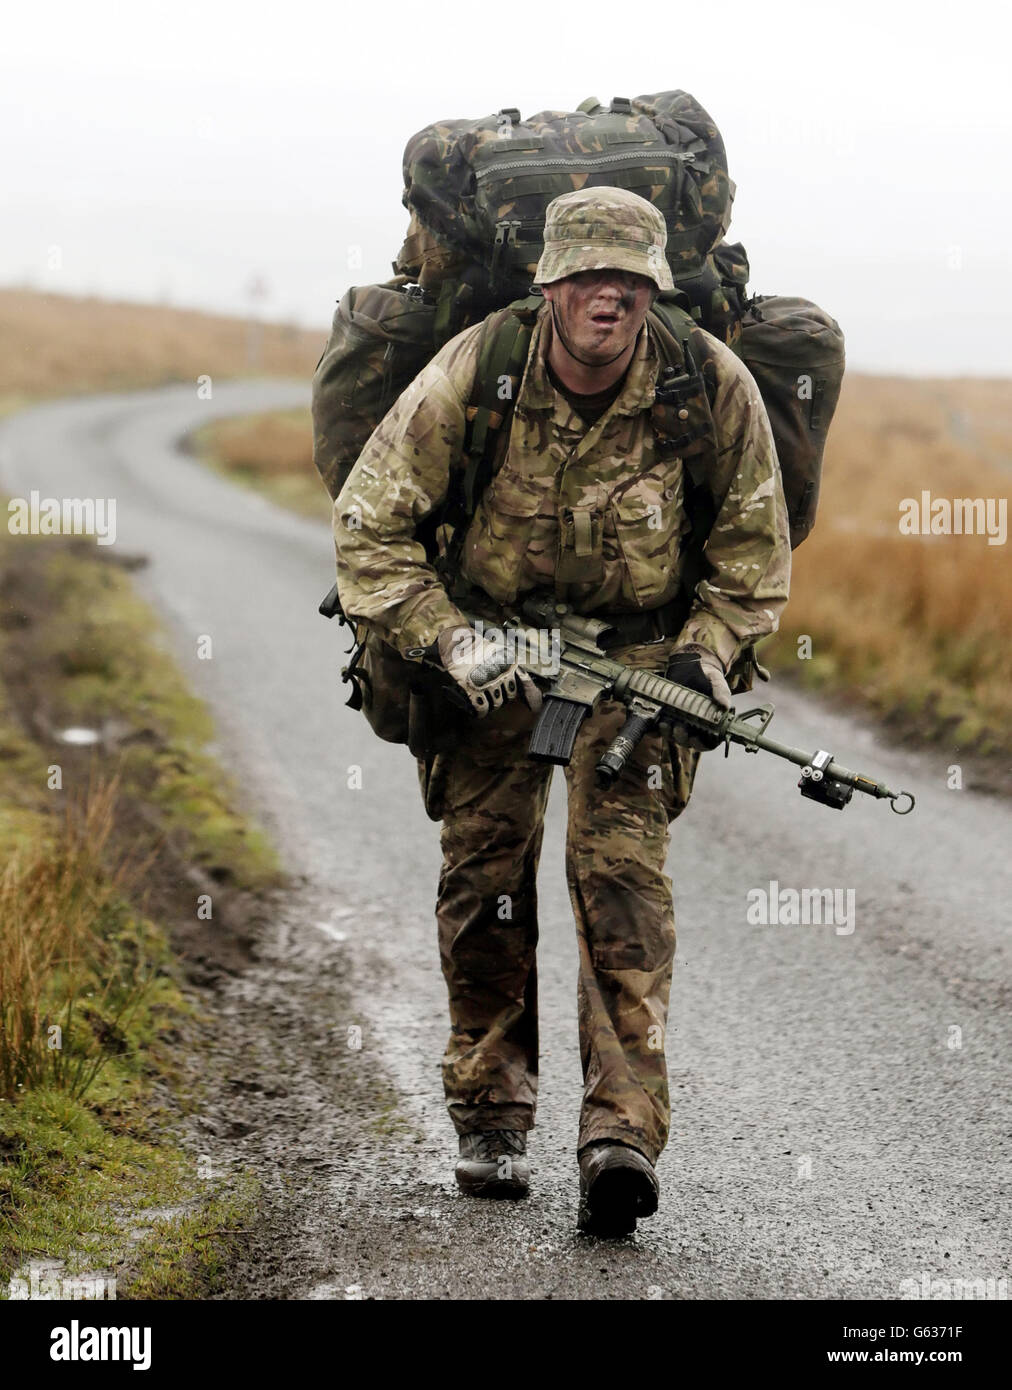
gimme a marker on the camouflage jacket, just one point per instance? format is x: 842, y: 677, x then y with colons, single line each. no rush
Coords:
x: 589, y: 512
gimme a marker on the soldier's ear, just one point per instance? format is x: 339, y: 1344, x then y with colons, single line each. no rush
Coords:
x: 548, y: 292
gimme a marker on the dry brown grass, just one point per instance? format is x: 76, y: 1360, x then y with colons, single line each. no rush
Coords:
x: 271, y: 452
x: 58, y: 345
x: 275, y: 445
x: 916, y: 626
x: 65, y: 983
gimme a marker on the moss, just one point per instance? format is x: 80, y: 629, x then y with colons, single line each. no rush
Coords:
x: 190, y: 1257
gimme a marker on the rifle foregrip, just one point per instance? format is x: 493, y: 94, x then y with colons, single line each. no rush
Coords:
x: 621, y: 749
x: 687, y: 702
x: 555, y: 732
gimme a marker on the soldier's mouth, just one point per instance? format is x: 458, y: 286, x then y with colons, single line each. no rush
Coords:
x: 604, y: 320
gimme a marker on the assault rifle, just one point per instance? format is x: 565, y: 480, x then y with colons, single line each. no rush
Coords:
x: 579, y: 673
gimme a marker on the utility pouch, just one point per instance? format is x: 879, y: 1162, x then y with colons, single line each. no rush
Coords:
x: 581, y: 556
x: 386, y: 682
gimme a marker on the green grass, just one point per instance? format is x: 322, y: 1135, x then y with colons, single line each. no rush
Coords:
x: 92, y: 654
x: 89, y: 1129
x: 188, y: 1257
x: 78, y: 1186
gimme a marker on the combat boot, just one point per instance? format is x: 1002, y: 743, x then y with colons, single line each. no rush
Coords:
x: 494, y: 1164
x: 617, y: 1185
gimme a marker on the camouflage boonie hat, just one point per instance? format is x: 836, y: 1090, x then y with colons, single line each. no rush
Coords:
x: 604, y: 229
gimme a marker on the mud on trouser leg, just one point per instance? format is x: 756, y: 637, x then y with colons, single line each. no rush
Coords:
x: 492, y: 806
x: 622, y: 992
x: 616, y: 847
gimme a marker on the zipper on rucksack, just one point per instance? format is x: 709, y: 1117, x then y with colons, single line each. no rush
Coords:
x: 593, y: 161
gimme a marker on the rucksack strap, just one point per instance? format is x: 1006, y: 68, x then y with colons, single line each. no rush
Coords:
x: 681, y: 415
x: 502, y: 356
x: 683, y: 424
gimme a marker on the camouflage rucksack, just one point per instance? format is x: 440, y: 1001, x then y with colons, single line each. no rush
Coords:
x: 480, y: 189
x: 477, y: 192
x: 382, y: 337
x: 794, y: 350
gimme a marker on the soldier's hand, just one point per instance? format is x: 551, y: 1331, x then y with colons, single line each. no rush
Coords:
x: 697, y: 668
x: 479, y: 667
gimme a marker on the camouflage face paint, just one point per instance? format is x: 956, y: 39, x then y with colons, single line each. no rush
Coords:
x: 598, y: 314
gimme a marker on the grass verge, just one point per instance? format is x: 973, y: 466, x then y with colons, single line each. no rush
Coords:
x: 110, y: 850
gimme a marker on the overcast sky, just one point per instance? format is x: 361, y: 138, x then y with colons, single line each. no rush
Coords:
x: 177, y: 151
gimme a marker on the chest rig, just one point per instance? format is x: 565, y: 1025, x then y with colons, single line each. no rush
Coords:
x: 681, y: 419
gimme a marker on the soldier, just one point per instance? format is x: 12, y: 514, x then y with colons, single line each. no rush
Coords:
x: 581, y: 506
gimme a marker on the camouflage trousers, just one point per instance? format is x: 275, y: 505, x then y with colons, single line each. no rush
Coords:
x: 491, y: 799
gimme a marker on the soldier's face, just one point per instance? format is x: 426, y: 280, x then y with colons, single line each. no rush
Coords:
x: 601, y: 311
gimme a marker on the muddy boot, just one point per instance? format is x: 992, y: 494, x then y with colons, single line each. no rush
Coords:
x: 617, y: 1185
x: 494, y: 1164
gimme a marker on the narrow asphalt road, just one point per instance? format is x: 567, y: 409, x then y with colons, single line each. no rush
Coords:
x: 840, y: 1110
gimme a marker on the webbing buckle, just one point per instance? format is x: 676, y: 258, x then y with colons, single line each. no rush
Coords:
x: 505, y: 235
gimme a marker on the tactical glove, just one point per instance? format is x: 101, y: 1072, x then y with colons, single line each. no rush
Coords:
x: 697, y: 668
x: 479, y: 667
